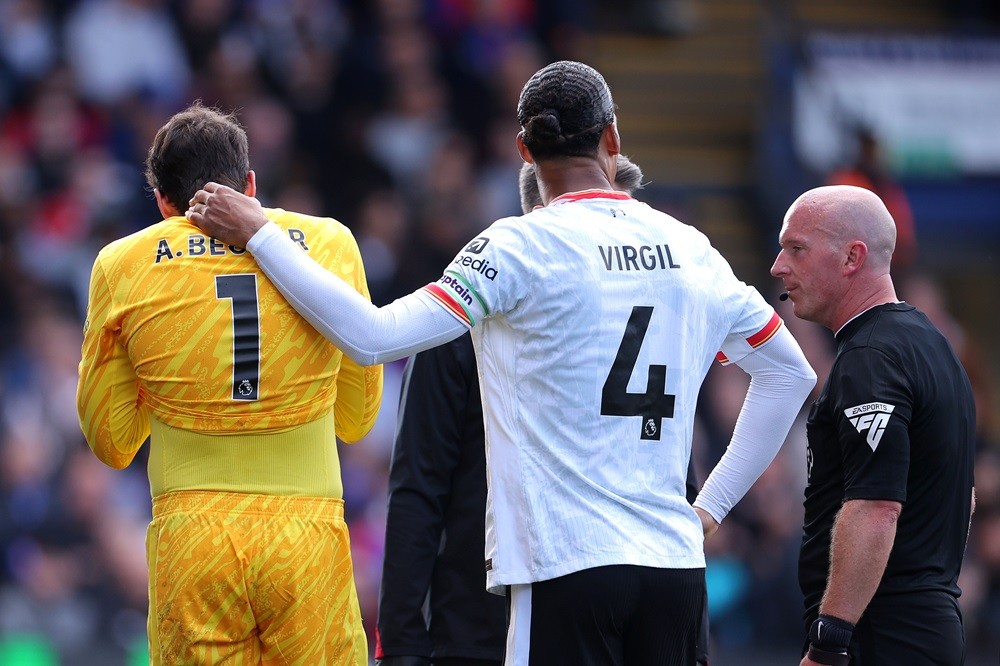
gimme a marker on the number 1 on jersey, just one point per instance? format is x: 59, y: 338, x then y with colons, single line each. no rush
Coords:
x: 654, y: 404
x: 242, y: 289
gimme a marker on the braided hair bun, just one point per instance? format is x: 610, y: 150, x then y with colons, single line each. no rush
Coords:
x: 563, y: 109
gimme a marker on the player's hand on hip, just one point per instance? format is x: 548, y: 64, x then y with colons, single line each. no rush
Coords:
x: 225, y: 214
x: 708, y: 524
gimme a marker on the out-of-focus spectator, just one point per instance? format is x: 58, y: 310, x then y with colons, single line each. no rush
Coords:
x: 924, y: 292
x: 39, y: 372
x: 448, y: 202
x: 870, y: 171
x: 498, y: 176
x: 298, y: 43
x: 478, y: 33
x: 383, y: 225
x: 119, y: 48
x: 412, y: 128
x: 270, y: 129
x: 201, y: 24
x: 28, y: 41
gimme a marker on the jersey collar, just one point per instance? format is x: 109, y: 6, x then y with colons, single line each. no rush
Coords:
x: 862, y: 313
x: 570, y: 197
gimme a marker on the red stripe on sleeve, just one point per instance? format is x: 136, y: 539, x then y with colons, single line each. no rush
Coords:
x: 766, y: 333
x: 442, y: 297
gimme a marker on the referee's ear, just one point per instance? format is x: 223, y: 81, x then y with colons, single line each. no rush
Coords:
x: 857, y: 254
x: 251, y: 188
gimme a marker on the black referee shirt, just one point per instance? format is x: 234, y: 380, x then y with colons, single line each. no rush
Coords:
x: 895, y: 421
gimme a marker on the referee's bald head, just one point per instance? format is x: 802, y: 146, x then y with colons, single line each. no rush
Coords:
x: 847, y: 213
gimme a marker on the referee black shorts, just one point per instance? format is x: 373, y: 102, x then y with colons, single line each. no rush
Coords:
x: 618, y: 615
x: 920, y: 628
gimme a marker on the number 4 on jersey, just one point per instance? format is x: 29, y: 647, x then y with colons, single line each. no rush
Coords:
x: 654, y: 404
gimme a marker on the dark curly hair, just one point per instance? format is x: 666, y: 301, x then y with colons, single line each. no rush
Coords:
x: 563, y: 109
x: 197, y: 145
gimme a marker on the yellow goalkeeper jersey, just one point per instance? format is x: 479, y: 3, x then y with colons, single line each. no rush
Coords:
x: 187, y: 338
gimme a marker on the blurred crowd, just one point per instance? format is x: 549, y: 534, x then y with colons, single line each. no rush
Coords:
x: 394, y: 116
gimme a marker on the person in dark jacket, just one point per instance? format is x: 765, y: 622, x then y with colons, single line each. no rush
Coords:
x: 435, y: 527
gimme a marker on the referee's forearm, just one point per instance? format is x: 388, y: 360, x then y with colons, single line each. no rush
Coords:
x: 863, y: 536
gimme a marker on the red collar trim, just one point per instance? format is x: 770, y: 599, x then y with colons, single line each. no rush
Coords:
x: 590, y: 194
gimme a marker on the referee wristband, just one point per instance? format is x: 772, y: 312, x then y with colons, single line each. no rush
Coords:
x: 828, y: 658
x: 829, y: 638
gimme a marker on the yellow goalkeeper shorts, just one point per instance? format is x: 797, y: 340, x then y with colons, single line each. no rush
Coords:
x: 240, y: 578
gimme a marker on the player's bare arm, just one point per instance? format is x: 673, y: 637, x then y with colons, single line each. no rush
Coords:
x: 225, y: 214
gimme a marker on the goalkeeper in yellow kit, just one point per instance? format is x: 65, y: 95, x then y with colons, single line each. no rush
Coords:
x: 187, y: 343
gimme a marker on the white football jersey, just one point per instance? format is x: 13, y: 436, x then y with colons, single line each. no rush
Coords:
x: 595, y: 321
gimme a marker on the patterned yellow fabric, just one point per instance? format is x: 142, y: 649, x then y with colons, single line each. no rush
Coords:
x: 184, y: 328
x: 252, y: 579
x: 187, y: 341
